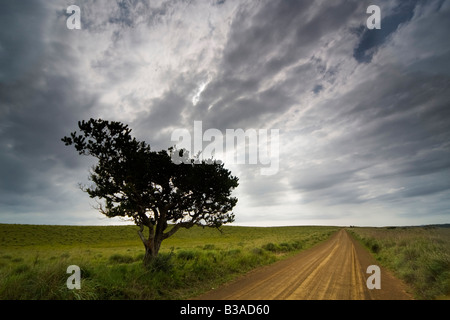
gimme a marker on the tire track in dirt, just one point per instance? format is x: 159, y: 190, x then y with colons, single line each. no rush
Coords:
x: 332, y: 270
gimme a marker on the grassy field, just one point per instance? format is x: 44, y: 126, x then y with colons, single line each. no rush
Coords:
x: 418, y: 255
x: 34, y: 259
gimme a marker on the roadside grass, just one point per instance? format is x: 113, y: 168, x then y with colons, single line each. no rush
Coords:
x: 420, y: 256
x: 34, y: 259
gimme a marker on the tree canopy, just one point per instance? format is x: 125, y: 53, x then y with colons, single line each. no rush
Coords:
x: 147, y: 186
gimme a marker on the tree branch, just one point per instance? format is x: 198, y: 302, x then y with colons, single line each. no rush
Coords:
x: 141, y: 235
x: 176, y: 227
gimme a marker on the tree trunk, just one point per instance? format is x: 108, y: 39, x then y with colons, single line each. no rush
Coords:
x: 151, y: 245
x: 155, y: 235
x: 151, y: 250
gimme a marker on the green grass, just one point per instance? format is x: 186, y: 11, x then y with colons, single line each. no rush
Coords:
x: 34, y: 259
x: 420, y: 256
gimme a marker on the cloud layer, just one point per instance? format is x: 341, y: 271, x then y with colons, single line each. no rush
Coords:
x: 363, y: 114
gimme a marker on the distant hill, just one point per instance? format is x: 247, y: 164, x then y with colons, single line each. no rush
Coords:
x: 426, y: 226
x: 443, y: 225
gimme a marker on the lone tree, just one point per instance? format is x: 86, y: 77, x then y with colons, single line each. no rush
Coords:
x: 149, y: 187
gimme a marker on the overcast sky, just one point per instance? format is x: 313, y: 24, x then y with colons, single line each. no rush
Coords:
x: 363, y: 115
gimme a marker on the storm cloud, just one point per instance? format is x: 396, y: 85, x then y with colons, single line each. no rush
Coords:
x: 363, y: 114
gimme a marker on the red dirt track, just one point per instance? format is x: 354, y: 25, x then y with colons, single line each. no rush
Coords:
x: 332, y: 270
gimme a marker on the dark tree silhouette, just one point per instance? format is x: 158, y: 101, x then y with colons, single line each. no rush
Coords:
x: 149, y: 187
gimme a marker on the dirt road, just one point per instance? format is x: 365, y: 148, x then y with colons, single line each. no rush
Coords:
x: 333, y: 270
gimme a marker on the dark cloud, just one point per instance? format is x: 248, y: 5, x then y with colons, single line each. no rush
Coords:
x: 162, y: 113
x: 38, y: 106
x: 281, y: 33
x: 23, y: 26
x: 264, y: 41
x: 392, y: 128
